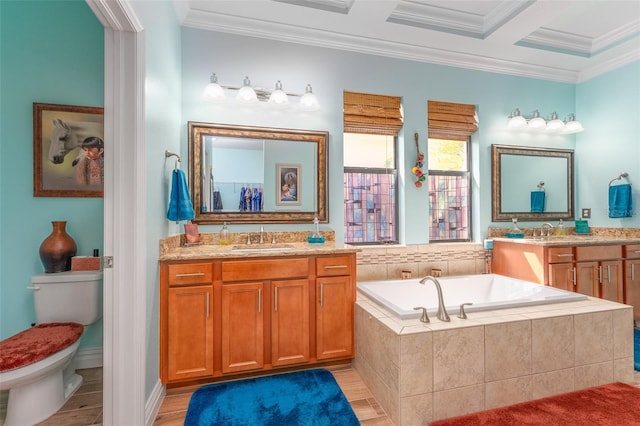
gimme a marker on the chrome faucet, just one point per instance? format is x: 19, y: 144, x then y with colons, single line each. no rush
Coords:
x: 261, y: 234
x: 442, y: 311
x: 548, y: 227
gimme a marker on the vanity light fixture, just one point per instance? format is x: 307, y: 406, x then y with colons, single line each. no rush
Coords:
x: 535, y: 123
x: 249, y: 95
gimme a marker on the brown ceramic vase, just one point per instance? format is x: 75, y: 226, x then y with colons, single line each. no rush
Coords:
x: 57, y: 249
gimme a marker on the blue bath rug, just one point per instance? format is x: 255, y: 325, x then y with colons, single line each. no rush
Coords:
x: 309, y: 398
x: 636, y: 349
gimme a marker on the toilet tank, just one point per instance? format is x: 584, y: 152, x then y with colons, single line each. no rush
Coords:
x: 68, y: 296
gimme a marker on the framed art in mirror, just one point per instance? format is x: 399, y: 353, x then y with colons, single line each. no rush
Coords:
x: 531, y: 183
x: 248, y: 174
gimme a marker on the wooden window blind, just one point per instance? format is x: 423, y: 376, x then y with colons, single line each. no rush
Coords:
x: 447, y: 120
x: 372, y: 114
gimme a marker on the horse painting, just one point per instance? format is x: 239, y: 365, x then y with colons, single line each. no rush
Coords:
x: 67, y: 136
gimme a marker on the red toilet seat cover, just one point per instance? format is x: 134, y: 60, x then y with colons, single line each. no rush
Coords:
x: 37, y: 343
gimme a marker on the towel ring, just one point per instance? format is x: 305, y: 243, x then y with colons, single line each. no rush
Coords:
x: 620, y: 176
x: 541, y: 186
x: 168, y: 154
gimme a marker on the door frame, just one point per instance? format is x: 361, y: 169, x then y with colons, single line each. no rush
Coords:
x: 124, y: 297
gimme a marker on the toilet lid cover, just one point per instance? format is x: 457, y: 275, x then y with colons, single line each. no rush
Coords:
x: 37, y: 343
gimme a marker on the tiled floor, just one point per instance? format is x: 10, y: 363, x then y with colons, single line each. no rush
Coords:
x: 85, y: 407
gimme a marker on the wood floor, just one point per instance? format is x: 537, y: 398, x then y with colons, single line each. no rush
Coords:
x: 85, y: 407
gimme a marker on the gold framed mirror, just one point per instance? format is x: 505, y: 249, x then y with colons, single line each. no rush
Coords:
x: 521, y: 174
x: 246, y: 174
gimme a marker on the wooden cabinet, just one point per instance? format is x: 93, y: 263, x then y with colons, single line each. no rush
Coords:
x: 242, y: 327
x: 187, y: 328
x: 632, y: 278
x: 290, y: 336
x: 335, y: 300
x: 594, y: 270
x: 242, y: 315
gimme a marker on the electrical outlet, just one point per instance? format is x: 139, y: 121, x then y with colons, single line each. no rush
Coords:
x: 586, y: 213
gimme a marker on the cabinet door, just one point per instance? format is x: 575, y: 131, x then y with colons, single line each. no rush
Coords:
x: 561, y: 275
x: 190, y: 333
x: 334, y: 317
x: 289, y: 322
x: 632, y: 286
x: 242, y: 327
x: 587, y: 278
x: 611, y: 280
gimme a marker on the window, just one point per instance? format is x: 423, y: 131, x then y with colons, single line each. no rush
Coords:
x: 449, y: 169
x: 371, y: 124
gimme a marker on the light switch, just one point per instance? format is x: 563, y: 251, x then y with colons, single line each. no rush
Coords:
x: 586, y: 213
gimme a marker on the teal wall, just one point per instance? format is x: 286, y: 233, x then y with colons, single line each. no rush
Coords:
x: 50, y: 52
x: 610, y: 103
x: 333, y: 71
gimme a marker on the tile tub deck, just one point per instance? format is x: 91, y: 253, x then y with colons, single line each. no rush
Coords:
x: 425, y: 372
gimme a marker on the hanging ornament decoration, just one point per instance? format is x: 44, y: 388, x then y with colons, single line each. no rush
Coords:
x: 417, y: 169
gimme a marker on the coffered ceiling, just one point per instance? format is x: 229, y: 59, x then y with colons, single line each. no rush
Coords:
x: 567, y: 41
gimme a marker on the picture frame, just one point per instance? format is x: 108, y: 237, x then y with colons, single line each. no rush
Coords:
x: 68, y: 151
x: 289, y: 181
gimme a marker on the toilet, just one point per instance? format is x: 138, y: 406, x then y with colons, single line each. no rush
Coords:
x: 65, y: 303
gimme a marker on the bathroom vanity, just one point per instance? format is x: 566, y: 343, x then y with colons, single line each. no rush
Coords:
x: 225, y: 312
x: 599, y: 267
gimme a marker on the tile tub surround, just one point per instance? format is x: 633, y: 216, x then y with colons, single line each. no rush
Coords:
x: 425, y: 372
x: 388, y: 262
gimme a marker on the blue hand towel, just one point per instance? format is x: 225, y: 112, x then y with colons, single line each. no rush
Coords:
x: 537, y: 201
x: 180, y: 207
x: 620, y: 204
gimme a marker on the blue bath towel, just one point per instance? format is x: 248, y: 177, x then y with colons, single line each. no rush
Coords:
x: 620, y: 204
x: 537, y: 201
x: 180, y: 207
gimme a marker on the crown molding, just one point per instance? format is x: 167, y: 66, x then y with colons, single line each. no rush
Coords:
x: 311, y: 37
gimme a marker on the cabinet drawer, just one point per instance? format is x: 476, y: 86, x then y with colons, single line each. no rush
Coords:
x: 333, y: 266
x: 266, y: 269
x: 561, y: 254
x: 190, y: 273
x: 598, y: 252
x: 632, y: 251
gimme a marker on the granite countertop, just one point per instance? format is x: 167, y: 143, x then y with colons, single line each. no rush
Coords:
x: 575, y: 239
x: 288, y: 244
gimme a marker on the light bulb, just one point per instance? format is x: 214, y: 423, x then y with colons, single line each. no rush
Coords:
x: 213, y: 91
x: 309, y: 101
x: 246, y: 94
x: 278, y: 97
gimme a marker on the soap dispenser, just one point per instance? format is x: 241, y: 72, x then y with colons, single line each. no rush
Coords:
x: 316, y: 237
x: 560, y: 229
x: 515, y: 232
x: 225, y: 238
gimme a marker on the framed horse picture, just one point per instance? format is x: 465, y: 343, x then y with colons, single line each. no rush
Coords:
x: 68, y: 151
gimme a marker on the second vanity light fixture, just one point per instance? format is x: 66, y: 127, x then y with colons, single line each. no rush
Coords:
x: 249, y: 95
x: 536, y: 123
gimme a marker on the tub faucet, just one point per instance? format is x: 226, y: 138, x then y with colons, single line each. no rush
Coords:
x: 442, y: 311
x: 546, y: 226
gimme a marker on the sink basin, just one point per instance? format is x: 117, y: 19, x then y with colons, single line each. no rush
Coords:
x: 251, y: 248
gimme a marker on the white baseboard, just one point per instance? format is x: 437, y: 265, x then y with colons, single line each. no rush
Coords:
x: 88, y: 358
x: 152, y: 406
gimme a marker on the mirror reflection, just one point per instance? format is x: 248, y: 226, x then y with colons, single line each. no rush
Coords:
x: 256, y: 174
x: 531, y: 184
